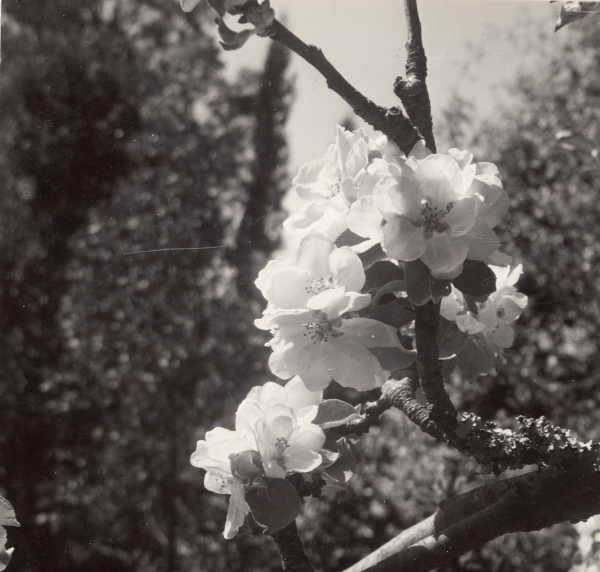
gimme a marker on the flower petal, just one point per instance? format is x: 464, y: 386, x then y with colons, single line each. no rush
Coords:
x: 236, y: 512
x: 218, y: 482
x: 308, y: 436
x: 403, y: 240
x: 444, y: 253
x: 462, y: 216
x: 364, y: 218
x: 440, y: 179
x: 298, y: 396
x: 482, y: 241
x: 300, y: 460
x: 347, y: 268
x: 352, y: 365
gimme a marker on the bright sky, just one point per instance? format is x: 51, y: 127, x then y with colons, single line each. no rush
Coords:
x: 365, y: 41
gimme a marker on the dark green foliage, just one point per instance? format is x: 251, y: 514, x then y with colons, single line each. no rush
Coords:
x: 122, y: 136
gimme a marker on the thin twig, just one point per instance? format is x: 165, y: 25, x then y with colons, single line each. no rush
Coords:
x: 391, y: 121
x: 412, y: 90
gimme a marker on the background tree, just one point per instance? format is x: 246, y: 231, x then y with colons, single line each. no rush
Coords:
x: 128, y: 138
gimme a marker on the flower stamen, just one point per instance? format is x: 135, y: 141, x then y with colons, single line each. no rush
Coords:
x: 432, y: 218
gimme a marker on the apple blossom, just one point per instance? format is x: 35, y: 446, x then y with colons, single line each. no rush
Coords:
x: 281, y: 418
x: 492, y: 318
x: 321, y: 343
x: 440, y: 208
x: 274, y: 435
x: 503, y: 307
x: 318, y: 266
x: 214, y: 456
x: 323, y: 189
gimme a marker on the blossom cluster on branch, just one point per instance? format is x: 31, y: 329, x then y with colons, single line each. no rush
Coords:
x: 372, y: 234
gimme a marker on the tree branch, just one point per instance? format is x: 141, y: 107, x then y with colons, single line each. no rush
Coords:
x: 412, y: 90
x: 524, y: 503
x: 390, y: 121
x: 402, y: 394
x: 432, y: 380
x: 293, y: 557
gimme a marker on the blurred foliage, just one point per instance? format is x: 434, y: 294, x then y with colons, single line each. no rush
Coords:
x: 123, y: 135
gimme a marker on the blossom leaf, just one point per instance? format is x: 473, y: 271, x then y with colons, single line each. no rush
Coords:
x: 274, y: 503
x: 246, y: 466
x: 392, y: 359
x: 476, y: 279
x: 449, y: 338
x: 389, y: 288
x: 418, y: 282
x: 348, y: 238
x: 382, y: 273
x: 372, y: 256
x: 475, y: 358
x: 397, y: 313
x: 342, y: 470
x: 334, y: 412
x: 439, y: 288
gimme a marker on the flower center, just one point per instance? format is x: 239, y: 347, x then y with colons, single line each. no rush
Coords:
x: 334, y: 189
x: 318, y: 285
x: 320, y: 329
x: 281, y: 445
x: 432, y: 218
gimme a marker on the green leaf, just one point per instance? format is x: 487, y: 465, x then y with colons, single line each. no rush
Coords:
x: 274, y: 503
x: 418, y: 282
x: 475, y: 358
x: 449, y: 338
x: 392, y: 359
x: 382, y: 273
x: 476, y: 279
x: 348, y: 238
x: 342, y: 470
x: 371, y: 256
x: 334, y: 412
x: 397, y: 313
x: 246, y: 465
x: 439, y: 289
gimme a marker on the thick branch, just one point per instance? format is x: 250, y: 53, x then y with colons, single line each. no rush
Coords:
x: 430, y: 371
x: 390, y: 121
x: 525, y: 503
x: 402, y: 394
x: 293, y: 558
x: 412, y: 90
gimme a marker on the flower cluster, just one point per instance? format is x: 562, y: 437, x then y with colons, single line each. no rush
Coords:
x: 274, y: 436
x: 494, y: 317
x: 314, y: 299
x: 439, y: 208
x: 371, y: 234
